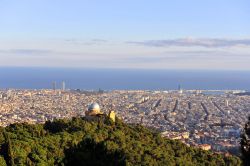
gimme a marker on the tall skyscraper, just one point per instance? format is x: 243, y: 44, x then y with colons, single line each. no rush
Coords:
x: 63, y: 86
x: 179, y: 87
x: 54, y: 85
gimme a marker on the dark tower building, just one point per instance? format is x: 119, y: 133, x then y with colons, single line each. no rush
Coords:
x: 54, y: 85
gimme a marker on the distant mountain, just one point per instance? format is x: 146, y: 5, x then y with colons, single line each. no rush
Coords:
x: 99, y: 142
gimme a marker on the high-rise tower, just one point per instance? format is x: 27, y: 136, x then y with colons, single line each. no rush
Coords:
x: 63, y: 86
x: 179, y: 87
x: 54, y: 85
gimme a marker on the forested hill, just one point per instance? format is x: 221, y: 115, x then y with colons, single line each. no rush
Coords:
x: 79, y: 142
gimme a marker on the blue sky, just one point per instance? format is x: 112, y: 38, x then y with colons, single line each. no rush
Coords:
x: 160, y: 34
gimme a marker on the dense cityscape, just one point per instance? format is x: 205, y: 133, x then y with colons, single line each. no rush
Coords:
x: 210, y: 120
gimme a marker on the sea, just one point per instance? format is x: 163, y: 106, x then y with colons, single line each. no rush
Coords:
x: 122, y: 79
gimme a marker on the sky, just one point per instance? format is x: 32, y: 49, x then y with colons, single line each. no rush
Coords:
x: 146, y: 34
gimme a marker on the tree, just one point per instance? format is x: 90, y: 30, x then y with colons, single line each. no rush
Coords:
x: 102, y: 142
x: 245, y: 143
x: 2, y: 161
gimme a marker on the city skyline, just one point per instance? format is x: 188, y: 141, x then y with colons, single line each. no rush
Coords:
x: 110, y: 34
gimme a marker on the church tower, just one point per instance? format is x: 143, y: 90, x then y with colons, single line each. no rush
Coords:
x: 112, y: 115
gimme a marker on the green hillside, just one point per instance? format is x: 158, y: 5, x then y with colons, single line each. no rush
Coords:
x: 79, y: 142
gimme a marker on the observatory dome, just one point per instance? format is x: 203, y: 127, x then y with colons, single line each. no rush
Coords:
x: 94, y: 106
x: 94, y: 109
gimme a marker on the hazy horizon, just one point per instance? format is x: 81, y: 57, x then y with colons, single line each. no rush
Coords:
x: 122, y: 79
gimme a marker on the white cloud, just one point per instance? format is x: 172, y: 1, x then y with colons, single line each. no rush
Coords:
x: 121, y: 55
x: 194, y: 42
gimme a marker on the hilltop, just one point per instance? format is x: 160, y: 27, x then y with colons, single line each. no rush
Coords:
x: 77, y: 141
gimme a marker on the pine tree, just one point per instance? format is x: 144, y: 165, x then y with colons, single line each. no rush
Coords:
x: 245, y: 143
x: 9, y: 154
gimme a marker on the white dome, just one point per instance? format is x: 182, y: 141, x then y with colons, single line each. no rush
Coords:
x: 93, y: 106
